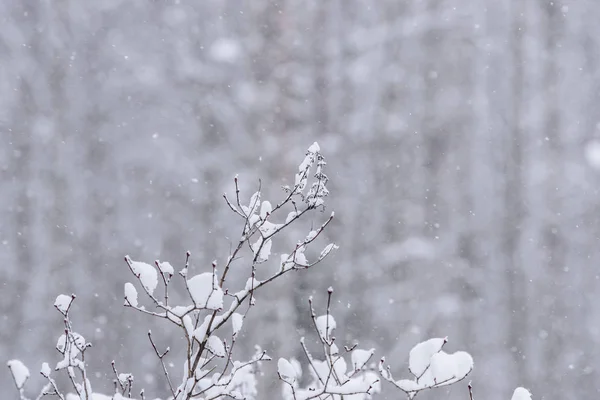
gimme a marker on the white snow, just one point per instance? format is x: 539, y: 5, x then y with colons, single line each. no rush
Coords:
x: 327, y: 250
x: 146, y: 274
x: 188, y: 325
x: 449, y: 368
x: 314, y: 148
x: 252, y: 206
x: 205, y: 291
x: 71, y: 348
x: 45, y: 370
x: 215, y: 346
x: 265, y: 209
x: 63, y: 302
x: 251, y: 283
x: 300, y: 258
x: 262, y: 251
x: 165, y: 268
x: 131, y: 294
x: 360, y: 358
x: 325, y: 326
x: 286, y: 370
x: 521, y: 393
x: 237, y: 321
x: 286, y: 262
x: 19, y: 372
x: 291, y: 216
x: 420, y: 355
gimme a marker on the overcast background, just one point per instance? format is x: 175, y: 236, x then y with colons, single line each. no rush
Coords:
x: 463, y: 147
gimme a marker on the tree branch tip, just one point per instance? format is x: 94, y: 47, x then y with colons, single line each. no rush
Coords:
x: 330, y: 290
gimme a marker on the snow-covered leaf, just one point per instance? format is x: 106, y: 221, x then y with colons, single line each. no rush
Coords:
x: 286, y: 370
x: 205, y: 291
x: 215, y: 346
x: 237, y: 320
x: 327, y: 250
x: 265, y: 209
x: 325, y: 326
x: 291, y: 216
x: 360, y: 358
x: 521, y: 393
x: 63, y: 302
x: 71, y: 346
x: 19, y: 372
x: 268, y: 228
x: 253, y: 205
x: 251, y: 283
x: 45, y: 370
x: 409, y: 385
x: 146, y: 273
x: 124, y: 378
x: 165, y: 268
x: 300, y: 258
x: 188, y: 324
x: 420, y: 355
x: 449, y: 368
x: 131, y: 295
x: 286, y: 262
x: 261, y: 250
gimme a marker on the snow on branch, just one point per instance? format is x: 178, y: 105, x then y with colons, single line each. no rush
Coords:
x: 332, y: 377
x: 213, y: 315
x: 431, y: 367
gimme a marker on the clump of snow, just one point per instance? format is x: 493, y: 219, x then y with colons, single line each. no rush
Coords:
x: 261, y: 250
x: 63, y: 302
x: 360, y: 358
x: 146, y: 274
x: 45, y: 370
x: 205, y: 291
x: 327, y: 250
x: 70, y: 346
x: 265, y: 209
x: 286, y: 370
x: 325, y: 326
x: 449, y: 368
x: 420, y: 355
x: 131, y: 295
x: 251, y: 283
x: 431, y: 367
x: 286, y: 262
x: 252, y: 207
x: 165, y: 268
x: 19, y: 372
x: 215, y: 346
x: 291, y: 215
x: 521, y: 393
x: 237, y: 321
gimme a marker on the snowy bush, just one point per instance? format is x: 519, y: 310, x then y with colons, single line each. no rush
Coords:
x: 211, y: 320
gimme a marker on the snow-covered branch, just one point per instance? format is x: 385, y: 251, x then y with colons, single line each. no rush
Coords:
x: 332, y: 377
x: 210, y: 367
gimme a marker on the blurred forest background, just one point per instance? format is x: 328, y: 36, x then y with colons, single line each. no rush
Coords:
x: 463, y: 141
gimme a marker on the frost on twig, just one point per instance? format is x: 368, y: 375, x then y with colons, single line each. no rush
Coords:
x: 332, y: 377
x: 431, y: 367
